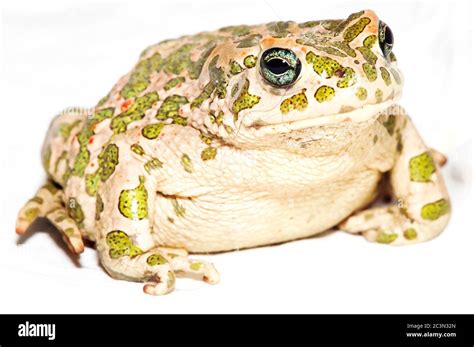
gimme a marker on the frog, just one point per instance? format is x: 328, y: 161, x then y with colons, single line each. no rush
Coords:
x: 246, y: 136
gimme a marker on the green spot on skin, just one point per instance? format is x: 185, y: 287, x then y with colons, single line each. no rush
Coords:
x: 217, y: 84
x: 178, y: 60
x: 170, y: 108
x: 37, y: 200
x: 120, y: 245
x: 410, y: 234
x: 330, y: 50
x: 179, y: 210
x: 392, y: 57
x: 152, y: 131
x: 81, y: 161
x: 205, y: 138
x: 296, y: 102
x: 378, y: 95
x: 396, y: 76
x: 370, y: 71
x: 102, y: 101
x: 368, y: 55
x: 344, y: 46
x: 368, y: 216
x: 250, y: 61
x: 278, y: 29
x: 228, y: 129
x: 421, y: 167
x: 386, y: 238
x: 328, y: 67
x: 152, y: 165
x: 354, y: 30
x: 140, y: 77
x: 217, y: 119
x: 186, y: 163
x: 369, y: 41
x: 31, y: 214
x: 69, y: 231
x: 237, y: 30
x: 385, y: 76
x: 324, y: 94
x: 92, y: 183
x: 311, y: 39
x: 347, y: 78
x: 156, y: 259
x: 205, y: 94
x: 361, y: 93
x: 245, y: 100
x: 133, y: 202
x: 434, y: 210
x: 99, y: 207
x: 250, y: 41
x: 196, y: 266
x: 74, y: 210
x: 217, y: 78
x: 399, y: 143
x: 46, y: 159
x: 51, y: 187
x: 234, y: 90
x: 235, y: 68
x: 343, y: 24
x: 323, y: 66
x: 375, y: 139
x: 61, y: 218
x: 108, y: 160
x: 137, y: 149
x: 135, y: 113
x: 171, y: 279
x: 62, y: 157
x: 309, y: 24
x: 172, y: 83
x: 195, y: 68
x: 366, y: 49
x: 208, y: 153
x: 389, y: 124
x: 65, y: 129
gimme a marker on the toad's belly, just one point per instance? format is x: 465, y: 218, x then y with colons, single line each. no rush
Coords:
x: 235, y: 220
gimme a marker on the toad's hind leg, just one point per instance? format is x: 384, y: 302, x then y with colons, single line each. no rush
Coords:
x: 422, y: 206
x: 125, y: 242
x: 48, y: 203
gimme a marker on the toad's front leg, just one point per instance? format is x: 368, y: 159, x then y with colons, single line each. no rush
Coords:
x: 422, y: 209
x: 125, y: 242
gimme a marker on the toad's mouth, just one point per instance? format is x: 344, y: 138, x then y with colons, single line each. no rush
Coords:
x: 363, y: 113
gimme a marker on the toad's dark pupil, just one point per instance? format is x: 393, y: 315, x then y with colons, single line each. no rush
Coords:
x: 277, y: 66
x: 385, y: 39
x: 388, y: 35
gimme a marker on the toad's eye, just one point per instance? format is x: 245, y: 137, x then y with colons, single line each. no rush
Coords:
x: 280, y: 67
x: 385, y: 39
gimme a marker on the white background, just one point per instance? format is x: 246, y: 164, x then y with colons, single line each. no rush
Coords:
x: 69, y: 53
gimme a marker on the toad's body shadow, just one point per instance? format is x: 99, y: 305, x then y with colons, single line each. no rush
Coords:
x: 43, y: 225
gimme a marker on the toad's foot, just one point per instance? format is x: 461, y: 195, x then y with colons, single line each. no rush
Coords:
x: 388, y: 225
x: 48, y: 203
x: 181, y: 266
x: 423, y: 207
x: 157, y: 267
